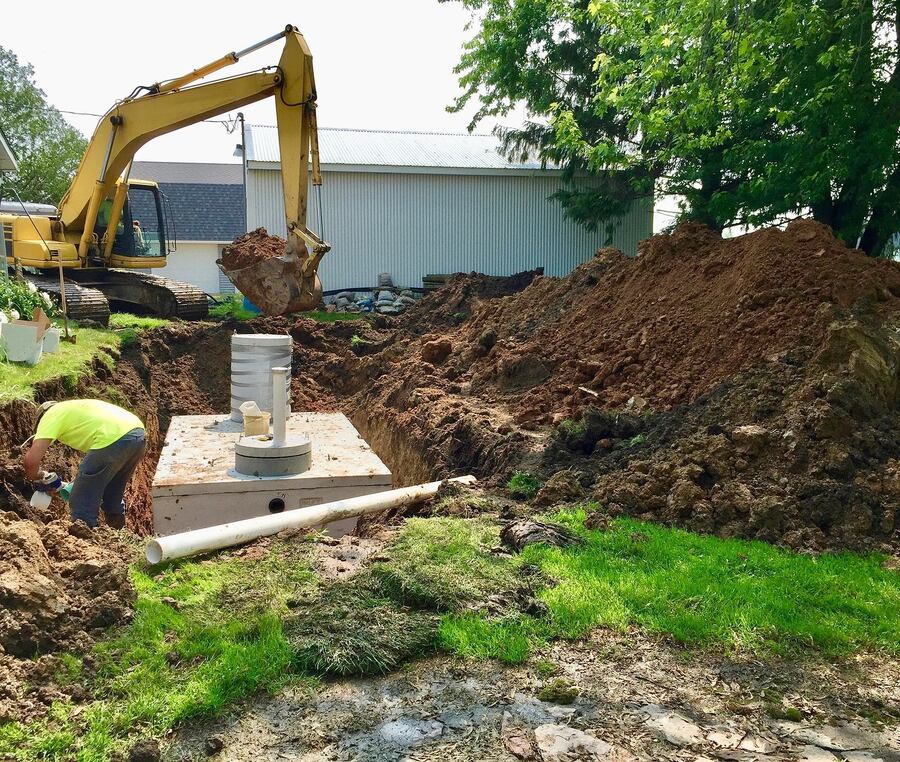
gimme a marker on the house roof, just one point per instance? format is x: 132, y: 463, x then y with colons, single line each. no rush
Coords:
x: 206, y: 212
x: 199, y: 211
x: 369, y: 150
x: 8, y: 161
x: 188, y: 172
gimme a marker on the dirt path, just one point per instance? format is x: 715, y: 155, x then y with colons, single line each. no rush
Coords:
x: 631, y: 698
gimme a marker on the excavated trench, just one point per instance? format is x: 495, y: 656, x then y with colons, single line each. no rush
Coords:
x: 183, y: 371
x: 62, y: 587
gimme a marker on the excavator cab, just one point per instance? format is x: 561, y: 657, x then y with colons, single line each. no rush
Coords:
x: 142, y: 236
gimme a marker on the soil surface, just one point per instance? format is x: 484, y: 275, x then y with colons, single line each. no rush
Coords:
x: 615, y: 697
x: 250, y: 248
x: 61, y: 586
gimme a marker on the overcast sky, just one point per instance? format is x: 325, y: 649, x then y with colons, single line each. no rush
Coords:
x: 385, y: 65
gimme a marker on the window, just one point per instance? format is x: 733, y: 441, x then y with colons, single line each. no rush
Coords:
x: 143, y: 220
x: 225, y: 285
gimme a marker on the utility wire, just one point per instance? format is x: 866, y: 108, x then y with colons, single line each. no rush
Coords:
x: 229, y: 123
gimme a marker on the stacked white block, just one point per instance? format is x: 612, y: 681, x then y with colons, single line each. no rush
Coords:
x: 253, y: 356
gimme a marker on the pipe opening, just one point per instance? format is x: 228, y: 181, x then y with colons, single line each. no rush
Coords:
x: 276, y: 505
x: 153, y: 552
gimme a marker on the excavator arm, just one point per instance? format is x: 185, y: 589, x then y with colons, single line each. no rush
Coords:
x: 171, y: 105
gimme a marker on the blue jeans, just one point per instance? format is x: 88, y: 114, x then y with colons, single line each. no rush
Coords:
x: 103, y: 476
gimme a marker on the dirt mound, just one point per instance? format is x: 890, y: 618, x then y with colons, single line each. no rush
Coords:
x: 689, y: 312
x: 681, y: 354
x: 799, y: 451
x: 250, y: 248
x: 60, y: 586
x: 454, y: 302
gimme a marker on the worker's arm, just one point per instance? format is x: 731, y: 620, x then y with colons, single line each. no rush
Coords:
x: 34, y: 456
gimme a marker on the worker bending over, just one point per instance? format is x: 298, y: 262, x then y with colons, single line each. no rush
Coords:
x: 114, y: 442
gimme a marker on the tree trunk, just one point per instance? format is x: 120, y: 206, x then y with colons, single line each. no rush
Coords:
x: 884, y: 220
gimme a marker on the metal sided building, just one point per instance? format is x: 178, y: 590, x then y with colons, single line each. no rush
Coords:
x: 414, y: 203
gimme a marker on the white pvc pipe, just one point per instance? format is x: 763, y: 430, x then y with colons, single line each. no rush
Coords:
x: 204, y: 540
x: 279, y: 403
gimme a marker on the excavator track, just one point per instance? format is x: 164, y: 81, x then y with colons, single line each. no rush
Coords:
x: 82, y: 303
x: 163, y: 297
x: 90, y: 298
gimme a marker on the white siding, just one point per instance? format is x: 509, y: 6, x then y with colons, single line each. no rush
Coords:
x: 225, y: 285
x: 195, y: 263
x: 413, y: 224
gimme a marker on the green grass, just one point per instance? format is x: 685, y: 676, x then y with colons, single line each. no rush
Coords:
x: 142, y: 322
x: 127, y: 326
x: 332, y: 317
x: 745, y: 596
x: 570, y: 429
x: 231, y: 308
x: 443, y: 564
x: 222, y: 641
x: 523, y: 485
x: 238, y: 627
x: 71, y: 362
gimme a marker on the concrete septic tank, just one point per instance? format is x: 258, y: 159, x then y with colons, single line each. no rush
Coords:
x: 196, y: 484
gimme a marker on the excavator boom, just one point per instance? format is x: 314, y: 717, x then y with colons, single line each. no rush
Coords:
x: 169, y: 106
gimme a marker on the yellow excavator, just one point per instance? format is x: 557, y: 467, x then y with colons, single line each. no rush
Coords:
x: 108, y: 225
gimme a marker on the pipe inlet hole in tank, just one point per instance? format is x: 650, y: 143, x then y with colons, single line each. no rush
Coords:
x: 276, y: 505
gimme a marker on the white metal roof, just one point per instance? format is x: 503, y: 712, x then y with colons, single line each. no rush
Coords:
x: 203, y: 173
x: 8, y: 161
x: 370, y: 150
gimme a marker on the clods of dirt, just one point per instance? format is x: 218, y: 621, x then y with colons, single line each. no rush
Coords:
x: 523, y: 532
x: 452, y: 304
x: 251, y: 248
x: 800, y: 452
x: 146, y: 750
x: 58, y: 592
x: 745, y: 386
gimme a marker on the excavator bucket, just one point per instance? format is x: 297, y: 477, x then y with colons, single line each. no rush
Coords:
x: 277, y: 285
x: 278, y: 276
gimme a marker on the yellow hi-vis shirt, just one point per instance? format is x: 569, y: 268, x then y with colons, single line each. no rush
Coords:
x: 86, y: 424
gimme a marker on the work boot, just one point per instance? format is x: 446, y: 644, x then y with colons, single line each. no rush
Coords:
x: 115, y: 522
x: 79, y: 529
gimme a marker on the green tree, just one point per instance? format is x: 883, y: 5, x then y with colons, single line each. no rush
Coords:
x: 48, y: 149
x: 540, y: 54
x: 752, y: 112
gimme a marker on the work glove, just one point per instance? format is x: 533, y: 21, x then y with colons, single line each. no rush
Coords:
x: 48, y: 481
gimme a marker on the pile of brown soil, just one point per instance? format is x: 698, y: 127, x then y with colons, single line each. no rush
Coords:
x: 801, y: 450
x: 689, y: 312
x: 453, y: 303
x: 680, y: 353
x: 60, y: 586
x: 250, y: 248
